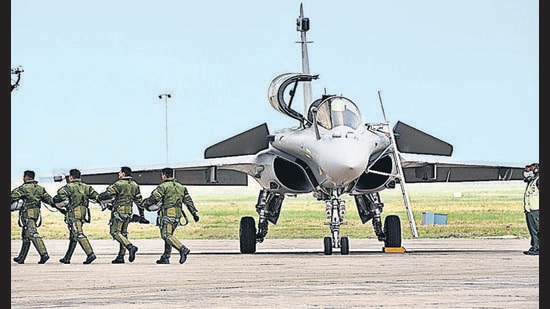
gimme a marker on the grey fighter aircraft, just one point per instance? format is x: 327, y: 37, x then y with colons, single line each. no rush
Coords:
x: 331, y: 152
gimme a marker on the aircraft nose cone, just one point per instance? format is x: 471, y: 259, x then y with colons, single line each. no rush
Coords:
x: 344, y: 165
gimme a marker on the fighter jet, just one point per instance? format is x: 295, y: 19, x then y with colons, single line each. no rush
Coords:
x: 330, y: 153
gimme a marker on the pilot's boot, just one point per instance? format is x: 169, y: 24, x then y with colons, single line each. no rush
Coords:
x: 44, y: 258
x: 119, y: 259
x: 91, y: 257
x: 163, y: 260
x: 20, y: 259
x: 41, y: 248
x: 70, y: 249
x: 132, y: 252
x: 65, y: 260
x: 184, y: 251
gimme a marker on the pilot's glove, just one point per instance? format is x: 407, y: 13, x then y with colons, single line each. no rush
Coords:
x: 195, y: 217
x: 143, y: 220
x: 105, y: 204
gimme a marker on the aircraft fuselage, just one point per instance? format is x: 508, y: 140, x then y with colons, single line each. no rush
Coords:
x: 338, y: 157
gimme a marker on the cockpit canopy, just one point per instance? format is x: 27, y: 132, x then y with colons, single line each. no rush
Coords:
x: 334, y: 111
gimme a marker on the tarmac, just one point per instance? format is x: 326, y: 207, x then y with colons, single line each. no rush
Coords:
x: 284, y: 273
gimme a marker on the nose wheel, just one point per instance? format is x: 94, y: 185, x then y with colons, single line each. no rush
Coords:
x: 335, y: 211
x: 344, y: 245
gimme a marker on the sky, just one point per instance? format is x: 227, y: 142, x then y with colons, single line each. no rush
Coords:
x: 466, y: 72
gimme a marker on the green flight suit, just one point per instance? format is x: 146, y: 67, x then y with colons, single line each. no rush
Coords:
x: 78, y: 194
x: 531, y: 209
x: 30, y: 218
x: 125, y: 191
x: 171, y: 194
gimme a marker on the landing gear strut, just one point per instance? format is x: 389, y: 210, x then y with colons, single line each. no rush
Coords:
x: 335, y: 211
x: 369, y: 206
x: 268, y: 208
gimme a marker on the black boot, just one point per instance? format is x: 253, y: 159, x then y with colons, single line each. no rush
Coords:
x: 90, y: 259
x: 65, y: 260
x: 119, y: 259
x: 132, y: 252
x: 19, y: 260
x: 163, y: 260
x: 69, y: 253
x: 44, y: 258
x: 184, y: 251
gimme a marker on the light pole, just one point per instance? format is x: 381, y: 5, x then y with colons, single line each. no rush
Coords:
x: 166, y: 96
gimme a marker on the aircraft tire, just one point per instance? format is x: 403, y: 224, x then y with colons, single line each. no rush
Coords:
x: 247, y: 235
x: 344, y: 245
x: 392, y: 230
x: 328, y: 245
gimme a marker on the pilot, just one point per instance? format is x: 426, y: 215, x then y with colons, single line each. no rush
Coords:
x: 73, y: 199
x: 167, y: 199
x: 27, y: 198
x: 531, y: 205
x: 123, y: 193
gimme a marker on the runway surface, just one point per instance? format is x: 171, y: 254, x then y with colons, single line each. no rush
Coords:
x: 431, y: 273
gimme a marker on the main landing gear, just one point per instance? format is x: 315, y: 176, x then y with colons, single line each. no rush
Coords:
x: 268, y: 208
x: 368, y: 205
